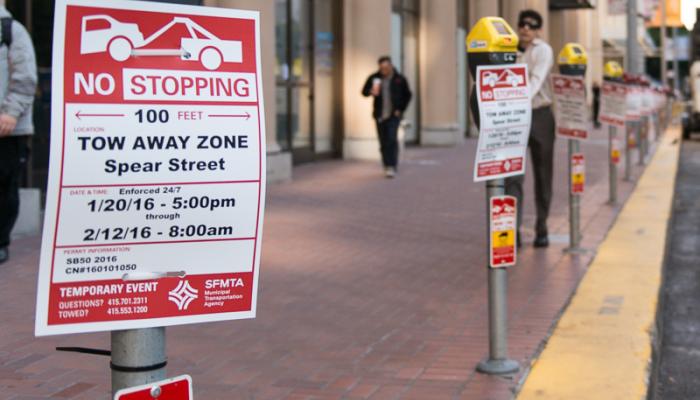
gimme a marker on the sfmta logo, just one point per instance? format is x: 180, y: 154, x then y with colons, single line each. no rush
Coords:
x: 183, y: 295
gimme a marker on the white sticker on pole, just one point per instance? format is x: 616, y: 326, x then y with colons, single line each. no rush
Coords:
x: 613, y: 108
x: 505, y: 113
x: 571, y: 109
x: 156, y: 191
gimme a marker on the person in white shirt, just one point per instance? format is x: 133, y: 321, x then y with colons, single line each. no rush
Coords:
x: 538, y: 56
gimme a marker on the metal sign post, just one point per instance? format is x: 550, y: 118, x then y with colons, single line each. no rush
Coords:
x: 573, y: 122
x: 630, y: 130
x: 498, y: 362
x: 642, y: 135
x: 613, y: 159
x: 502, y: 110
x: 138, y: 357
x: 574, y: 203
x: 613, y: 113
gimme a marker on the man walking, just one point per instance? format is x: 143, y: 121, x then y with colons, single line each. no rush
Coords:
x: 391, y: 97
x: 539, y: 58
x: 18, y: 79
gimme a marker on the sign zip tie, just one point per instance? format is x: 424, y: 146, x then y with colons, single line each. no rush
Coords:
x: 160, y: 52
x: 85, y: 350
x: 147, y: 276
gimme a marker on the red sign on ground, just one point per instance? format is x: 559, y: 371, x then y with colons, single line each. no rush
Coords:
x: 503, y: 223
x: 156, y: 188
x: 179, y: 388
x: 578, y: 173
x: 505, y: 115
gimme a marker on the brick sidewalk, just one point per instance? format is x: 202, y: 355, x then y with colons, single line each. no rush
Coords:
x: 370, y: 289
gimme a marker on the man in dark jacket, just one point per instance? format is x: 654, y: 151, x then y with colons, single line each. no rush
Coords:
x: 391, y: 97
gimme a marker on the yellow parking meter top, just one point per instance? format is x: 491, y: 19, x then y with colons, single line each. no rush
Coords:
x: 492, y: 35
x: 613, y: 70
x: 573, y: 54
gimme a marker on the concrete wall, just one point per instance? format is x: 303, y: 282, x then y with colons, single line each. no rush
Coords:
x: 438, y: 73
x: 367, y: 35
x: 279, y: 166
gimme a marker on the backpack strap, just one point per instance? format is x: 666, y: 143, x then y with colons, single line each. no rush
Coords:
x: 6, y: 31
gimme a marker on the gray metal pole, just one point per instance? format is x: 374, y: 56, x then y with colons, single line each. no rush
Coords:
x: 574, y: 204
x: 498, y: 362
x: 662, y: 32
x: 138, y: 357
x: 642, y: 133
x: 633, y: 52
x: 630, y: 130
x: 676, y: 70
x: 612, y: 175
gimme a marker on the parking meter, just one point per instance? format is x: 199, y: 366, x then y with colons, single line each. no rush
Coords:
x: 493, y: 42
x: 612, y: 71
x: 490, y: 42
x: 572, y: 60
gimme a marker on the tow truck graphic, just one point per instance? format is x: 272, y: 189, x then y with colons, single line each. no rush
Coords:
x: 102, y: 33
x: 507, y: 77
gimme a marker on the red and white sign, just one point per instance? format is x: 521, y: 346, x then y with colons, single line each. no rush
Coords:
x: 156, y: 192
x: 570, y: 108
x: 503, y: 223
x: 179, y: 388
x: 613, y: 104
x: 578, y: 173
x: 634, y: 102
x: 505, y: 114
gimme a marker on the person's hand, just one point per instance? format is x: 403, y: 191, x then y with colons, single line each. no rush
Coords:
x: 7, y: 124
x: 375, y: 91
x: 397, y: 114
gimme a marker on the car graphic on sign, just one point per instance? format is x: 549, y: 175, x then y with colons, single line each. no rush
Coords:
x: 506, y: 78
x: 102, y: 33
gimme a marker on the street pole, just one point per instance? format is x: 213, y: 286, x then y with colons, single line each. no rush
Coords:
x: 629, y: 131
x: 574, y: 203
x: 642, y: 134
x: 498, y: 362
x: 662, y: 31
x: 633, y: 52
x: 138, y: 357
x: 676, y: 71
x: 612, y: 132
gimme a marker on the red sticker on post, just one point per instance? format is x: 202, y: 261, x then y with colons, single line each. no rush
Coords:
x: 615, y: 151
x: 503, y: 231
x: 178, y: 388
x: 578, y: 173
x: 156, y: 192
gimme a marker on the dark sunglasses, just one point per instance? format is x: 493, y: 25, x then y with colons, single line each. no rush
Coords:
x: 531, y: 25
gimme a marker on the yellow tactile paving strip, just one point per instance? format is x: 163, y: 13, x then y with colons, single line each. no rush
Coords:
x: 601, y: 347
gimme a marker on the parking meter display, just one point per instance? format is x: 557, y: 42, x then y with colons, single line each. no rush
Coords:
x: 157, y: 175
x: 505, y: 113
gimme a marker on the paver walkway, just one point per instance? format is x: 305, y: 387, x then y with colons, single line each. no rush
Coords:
x: 369, y: 289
